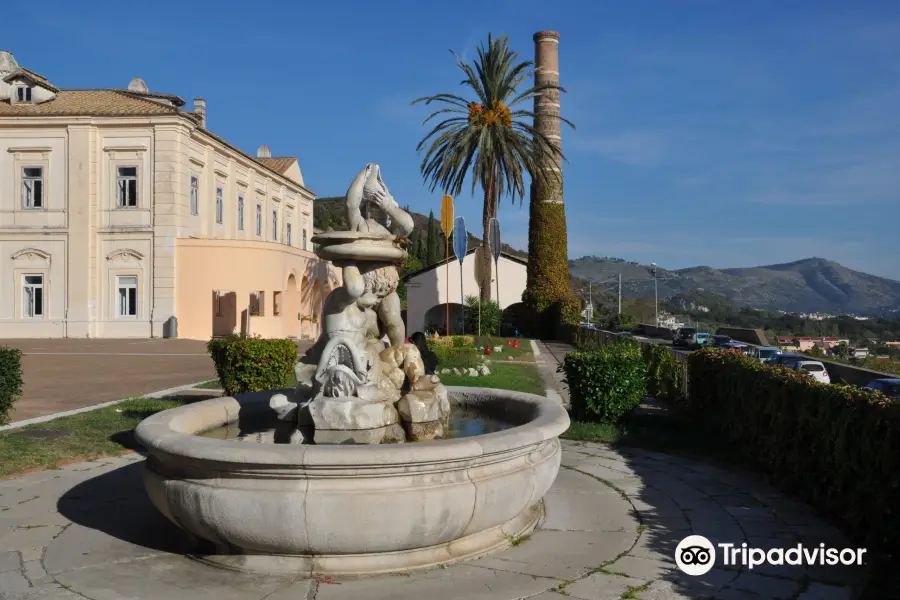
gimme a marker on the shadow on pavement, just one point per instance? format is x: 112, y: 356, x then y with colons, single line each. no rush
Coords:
x: 115, y: 503
x: 683, y: 481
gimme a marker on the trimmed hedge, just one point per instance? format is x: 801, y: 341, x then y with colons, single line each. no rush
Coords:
x: 252, y: 364
x: 10, y: 380
x: 605, y: 383
x: 456, y: 341
x: 836, y: 446
x: 665, y: 373
x: 463, y: 357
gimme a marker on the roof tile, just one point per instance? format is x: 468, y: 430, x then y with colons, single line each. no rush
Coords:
x: 39, y: 79
x: 278, y: 164
x: 92, y: 103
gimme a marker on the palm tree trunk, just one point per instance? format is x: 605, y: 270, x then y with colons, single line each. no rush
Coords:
x: 489, y: 212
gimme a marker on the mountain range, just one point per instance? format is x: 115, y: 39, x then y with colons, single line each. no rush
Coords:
x: 809, y: 285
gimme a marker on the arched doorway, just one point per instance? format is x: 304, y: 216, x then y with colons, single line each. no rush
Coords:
x: 513, y: 317
x: 436, y: 318
x: 303, y: 308
x: 290, y: 316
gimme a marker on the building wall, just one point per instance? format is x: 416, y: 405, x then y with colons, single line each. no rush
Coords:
x: 81, y: 242
x: 296, y: 280
x: 429, y: 289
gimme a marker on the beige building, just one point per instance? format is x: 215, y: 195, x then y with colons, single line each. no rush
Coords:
x: 119, y: 209
x: 429, y: 290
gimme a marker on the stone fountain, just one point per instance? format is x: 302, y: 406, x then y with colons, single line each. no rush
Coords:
x: 323, y: 493
x: 362, y: 382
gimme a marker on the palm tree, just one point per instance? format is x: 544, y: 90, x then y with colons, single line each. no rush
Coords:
x: 489, y: 136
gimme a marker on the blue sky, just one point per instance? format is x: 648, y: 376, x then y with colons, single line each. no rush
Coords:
x: 709, y: 132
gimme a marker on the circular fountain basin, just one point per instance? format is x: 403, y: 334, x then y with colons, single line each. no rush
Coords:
x: 352, y: 509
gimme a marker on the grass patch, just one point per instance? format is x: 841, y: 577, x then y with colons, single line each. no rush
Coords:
x: 523, y: 352
x: 670, y: 434
x: 593, y: 432
x: 105, y: 431
x: 519, y: 378
x: 209, y: 385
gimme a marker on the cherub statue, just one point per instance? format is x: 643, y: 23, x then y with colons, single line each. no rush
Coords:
x: 366, y: 308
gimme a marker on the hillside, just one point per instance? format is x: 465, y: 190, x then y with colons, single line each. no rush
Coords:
x: 808, y: 285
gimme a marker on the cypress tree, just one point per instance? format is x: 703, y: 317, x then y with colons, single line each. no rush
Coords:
x: 433, y: 241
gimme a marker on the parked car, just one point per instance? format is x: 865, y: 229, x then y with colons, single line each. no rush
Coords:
x: 684, y: 336
x: 815, y: 369
x: 700, y: 339
x: 718, y: 340
x: 734, y: 346
x: 763, y: 353
x: 890, y: 387
x: 786, y: 359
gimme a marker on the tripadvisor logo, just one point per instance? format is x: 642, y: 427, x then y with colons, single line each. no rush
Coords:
x: 696, y: 555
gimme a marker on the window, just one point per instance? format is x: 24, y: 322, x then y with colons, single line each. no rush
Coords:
x: 304, y: 239
x: 218, y: 303
x: 259, y: 219
x: 126, y: 296
x: 257, y: 301
x: 32, y: 187
x: 240, y: 216
x: 23, y: 94
x: 33, y: 296
x: 289, y: 235
x: 275, y: 225
x: 219, y: 205
x: 126, y: 187
x: 276, y: 304
x: 195, y: 195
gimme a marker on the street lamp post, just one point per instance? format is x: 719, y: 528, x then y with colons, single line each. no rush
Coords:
x: 655, y: 292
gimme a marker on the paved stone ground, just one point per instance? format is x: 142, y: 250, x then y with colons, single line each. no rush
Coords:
x: 66, y: 374
x: 613, y: 519
x: 550, y: 357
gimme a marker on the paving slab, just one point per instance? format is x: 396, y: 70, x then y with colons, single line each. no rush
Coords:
x: 613, y: 521
x: 603, y: 586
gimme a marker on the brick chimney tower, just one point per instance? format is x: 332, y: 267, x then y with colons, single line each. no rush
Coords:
x: 546, y: 104
x: 547, y: 292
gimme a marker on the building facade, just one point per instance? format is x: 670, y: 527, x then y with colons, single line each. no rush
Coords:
x: 119, y: 209
x: 430, y: 290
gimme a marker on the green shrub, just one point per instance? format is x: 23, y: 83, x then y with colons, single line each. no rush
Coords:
x: 458, y: 341
x: 483, y: 316
x: 252, y: 364
x: 838, y: 447
x: 665, y: 373
x: 605, y: 383
x: 10, y: 380
x: 463, y: 357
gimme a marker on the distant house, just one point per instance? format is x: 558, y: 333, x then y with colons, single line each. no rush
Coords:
x: 427, y: 290
x: 805, y: 343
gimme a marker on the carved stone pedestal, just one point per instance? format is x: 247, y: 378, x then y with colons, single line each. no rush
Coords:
x: 348, y: 420
x: 425, y: 413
